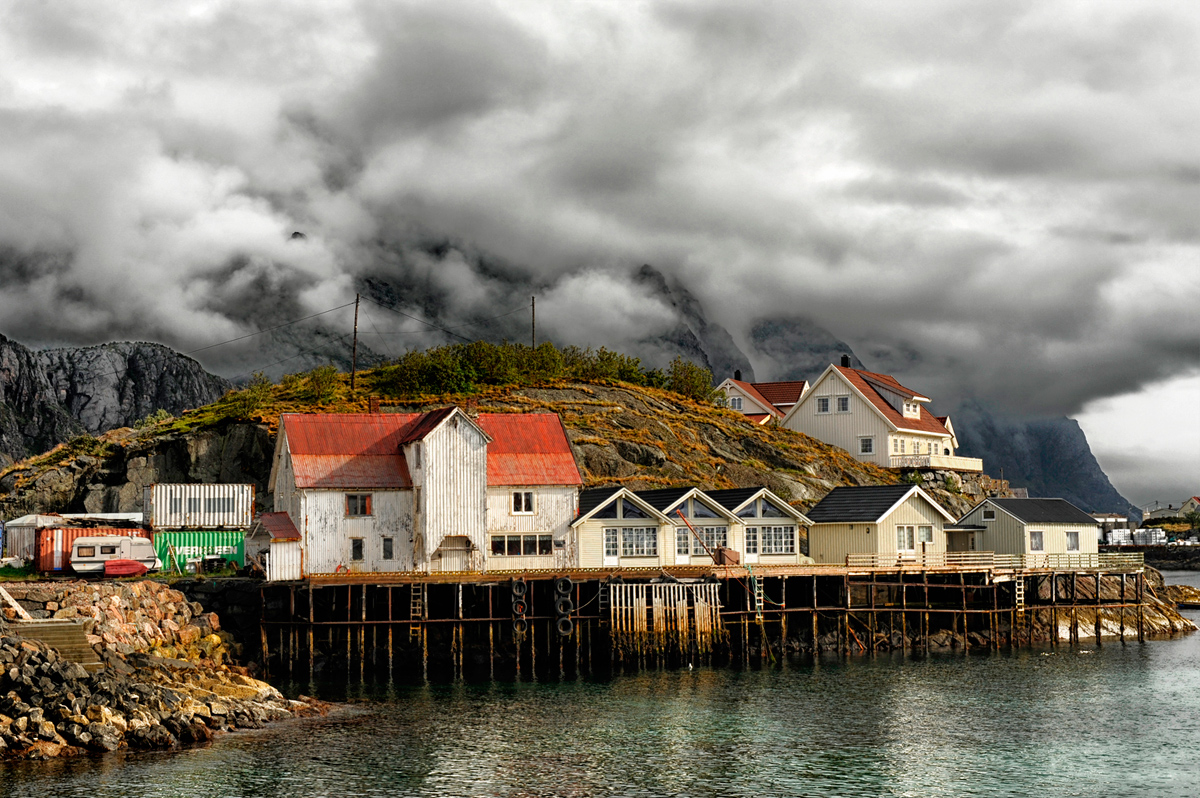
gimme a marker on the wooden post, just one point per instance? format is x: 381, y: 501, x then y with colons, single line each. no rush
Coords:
x: 903, y: 615
x: 1141, y: 581
x: 1054, y: 608
x: 816, y: 638
x: 1122, y: 606
x: 262, y: 630
x: 962, y: 581
x: 1099, y: 628
x: 1074, y: 608
x: 311, y: 622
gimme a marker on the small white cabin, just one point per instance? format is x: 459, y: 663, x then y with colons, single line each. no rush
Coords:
x: 1026, y: 526
x: 891, y: 522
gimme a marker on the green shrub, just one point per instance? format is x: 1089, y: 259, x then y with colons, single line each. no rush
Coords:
x: 685, y: 377
x: 255, y: 395
x: 155, y: 418
x: 323, y: 383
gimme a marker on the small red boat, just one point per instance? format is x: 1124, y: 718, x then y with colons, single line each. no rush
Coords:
x: 115, y: 568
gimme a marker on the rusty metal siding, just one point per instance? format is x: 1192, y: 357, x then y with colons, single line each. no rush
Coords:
x: 326, y: 532
x: 454, y: 487
x: 219, y: 506
x: 528, y: 449
x: 284, y: 561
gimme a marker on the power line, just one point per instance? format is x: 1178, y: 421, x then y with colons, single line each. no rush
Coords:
x: 269, y: 329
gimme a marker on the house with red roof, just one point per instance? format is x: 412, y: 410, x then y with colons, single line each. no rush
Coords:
x: 387, y: 492
x: 762, y: 402
x: 877, y: 420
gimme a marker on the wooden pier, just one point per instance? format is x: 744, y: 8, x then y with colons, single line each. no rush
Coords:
x: 539, y: 625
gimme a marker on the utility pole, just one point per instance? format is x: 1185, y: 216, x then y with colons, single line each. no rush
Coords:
x: 533, y: 321
x: 354, y: 351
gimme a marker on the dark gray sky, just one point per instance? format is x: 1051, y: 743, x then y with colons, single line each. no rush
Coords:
x: 989, y: 199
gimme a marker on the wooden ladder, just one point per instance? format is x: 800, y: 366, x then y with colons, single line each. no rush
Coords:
x: 756, y: 585
x: 1019, y: 593
x: 416, y: 609
x: 605, y: 603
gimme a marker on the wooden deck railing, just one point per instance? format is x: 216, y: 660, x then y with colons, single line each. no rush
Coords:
x: 946, y: 462
x: 991, y: 560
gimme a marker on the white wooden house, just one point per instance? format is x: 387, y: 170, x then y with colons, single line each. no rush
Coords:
x: 878, y: 420
x: 891, y: 523
x: 383, y: 492
x: 532, y: 492
x: 1030, y: 527
x: 762, y: 402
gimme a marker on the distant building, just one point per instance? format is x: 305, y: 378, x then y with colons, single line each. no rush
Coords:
x: 762, y: 402
x: 891, y: 521
x: 1027, y: 527
x: 877, y: 420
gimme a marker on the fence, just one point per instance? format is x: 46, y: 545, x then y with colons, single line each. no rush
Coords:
x: 975, y: 560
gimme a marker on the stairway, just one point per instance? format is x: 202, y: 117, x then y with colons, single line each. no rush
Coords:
x: 65, y: 636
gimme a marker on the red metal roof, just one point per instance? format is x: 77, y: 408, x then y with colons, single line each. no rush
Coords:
x: 859, y: 379
x: 280, y: 526
x: 528, y: 449
x: 759, y: 418
x: 758, y: 397
x: 349, y: 450
x: 781, y: 393
x: 363, y: 450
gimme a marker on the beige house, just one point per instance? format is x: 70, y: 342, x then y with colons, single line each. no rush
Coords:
x: 618, y: 528
x: 1025, y: 526
x: 888, y: 521
x: 877, y: 420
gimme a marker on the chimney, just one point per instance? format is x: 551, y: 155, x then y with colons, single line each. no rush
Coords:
x: 373, y: 404
x: 845, y: 361
x: 737, y: 374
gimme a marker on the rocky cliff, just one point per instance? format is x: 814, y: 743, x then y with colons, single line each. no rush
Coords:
x: 50, y: 396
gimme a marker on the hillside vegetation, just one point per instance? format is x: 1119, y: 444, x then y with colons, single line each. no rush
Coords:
x: 635, y: 432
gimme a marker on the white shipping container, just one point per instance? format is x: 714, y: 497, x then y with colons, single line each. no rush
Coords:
x: 219, y: 506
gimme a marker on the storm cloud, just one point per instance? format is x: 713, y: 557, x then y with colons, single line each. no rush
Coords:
x: 991, y: 200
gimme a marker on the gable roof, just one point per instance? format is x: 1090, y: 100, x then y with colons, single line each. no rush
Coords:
x: 1044, y: 511
x: 593, y: 499
x: 865, y: 382
x: 280, y: 526
x: 867, y: 504
x: 528, y: 449
x: 734, y: 499
x: 750, y: 390
x: 781, y: 393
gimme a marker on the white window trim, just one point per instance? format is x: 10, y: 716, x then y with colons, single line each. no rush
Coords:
x: 1041, y: 539
x: 531, y: 504
x: 985, y: 515
x: 817, y: 403
x: 1077, y: 541
x: 838, y: 403
x: 866, y: 439
x: 735, y: 403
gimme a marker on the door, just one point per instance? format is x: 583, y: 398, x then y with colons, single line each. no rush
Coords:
x: 752, y: 543
x: 611, y: 543
x: 906, y: 541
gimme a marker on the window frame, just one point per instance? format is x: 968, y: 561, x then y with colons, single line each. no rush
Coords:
x: 542, y: 544
x: 358, y: 502
x: 388, y: 549
x: 751, y: 542
x: 1073, y: 540
x: 639, y: 541
x: 909, y: 533
x: 822, y: 405
x: 525, y: 499
x: 712, y: 536
x: 357, y: 550
x: 735, y: 403
x: 987, y: 517
x: 779, y: 539
x: 1040, y: 539
x: 866, y: 444
x: 840, y: 401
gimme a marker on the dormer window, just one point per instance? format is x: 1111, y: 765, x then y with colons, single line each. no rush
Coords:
x: 735, y: 402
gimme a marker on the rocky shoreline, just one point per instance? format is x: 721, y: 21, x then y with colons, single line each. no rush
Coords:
x: 164, y: 678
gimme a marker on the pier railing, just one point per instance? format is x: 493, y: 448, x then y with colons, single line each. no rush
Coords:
x: 977, y: 560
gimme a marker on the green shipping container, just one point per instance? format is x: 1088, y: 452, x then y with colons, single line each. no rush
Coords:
x: 177, y: 548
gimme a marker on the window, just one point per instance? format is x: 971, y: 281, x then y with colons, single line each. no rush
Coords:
x: 108, y: 549
x: 735, y: 402
x: 771, y: 511
x: 925, y: 534
x: 356, y: 549
x: 358, y: 505
x: 712, y: 536
x: 522, y: 501
x: 1035, y: 541
x: 607, y: 511
x: 1072, y: 541
x: 388, y: 549
x: 895, y: 445
x: 85, y: 551
x: 702, y: 510
x: 639, y: 542
x: 749, y: 511
x: 778, y: 540
x: 752, y: 540
x: 989, y: 514
x: 610, y: 542
x: 905, y: 539
x: 631, y: 510
x: 843, y: 404
x: 416, y: 451
x: 523, y: 545
x: 822, y: 404
x: 682, y: 536
x: 866, y: 446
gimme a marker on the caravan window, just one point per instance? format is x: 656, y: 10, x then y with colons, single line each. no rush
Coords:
x: 85, y: 551
x: 108, y: 549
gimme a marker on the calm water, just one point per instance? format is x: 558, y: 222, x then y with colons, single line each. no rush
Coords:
x: 1120, y: 721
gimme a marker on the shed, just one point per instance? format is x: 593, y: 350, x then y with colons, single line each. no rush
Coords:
x: 888, y: 521
x: 1025, y: 526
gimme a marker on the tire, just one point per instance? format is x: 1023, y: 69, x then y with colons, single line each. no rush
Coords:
x: 563, y: 605
x: 563, y: 585
x: 520, y: 625
x: 519, y: 587
x: 565, y: 626
x: 520, y: 607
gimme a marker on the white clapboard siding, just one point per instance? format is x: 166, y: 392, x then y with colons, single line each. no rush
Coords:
x: 453, y: 483
x: 328, y: 533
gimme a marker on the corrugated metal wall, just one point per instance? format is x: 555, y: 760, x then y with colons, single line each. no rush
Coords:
x: 830, y: 543
x: 453, y: 487
x: 284, y: 563
x: 52, y: 550
x: 191, y: 545
x: 327, y: 532
x: 173, y: 506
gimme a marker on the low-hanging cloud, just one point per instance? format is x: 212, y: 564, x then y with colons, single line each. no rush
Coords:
x: 993, y: 200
